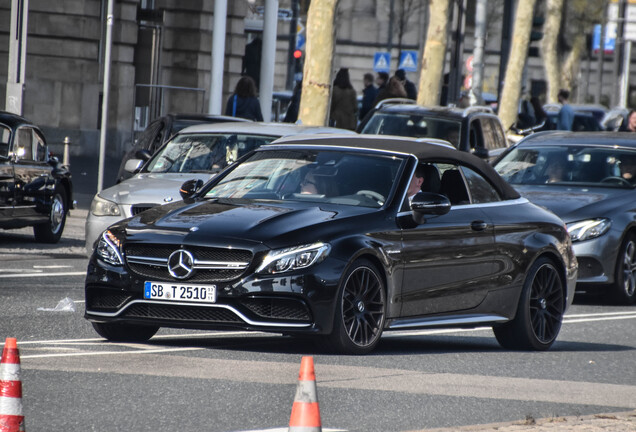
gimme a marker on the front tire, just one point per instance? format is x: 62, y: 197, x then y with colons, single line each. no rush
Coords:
x: 539, y: 312
x: 119, y: 332
x: 360, y: 310
x: 624, y: 288
x: 51, y: 230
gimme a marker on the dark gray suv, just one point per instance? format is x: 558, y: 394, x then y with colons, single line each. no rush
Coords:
x: 477, y: 130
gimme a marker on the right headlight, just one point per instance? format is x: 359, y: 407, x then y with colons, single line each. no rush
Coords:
x: 588, y: 229
x: 104, y: 207
x: 108, y: 249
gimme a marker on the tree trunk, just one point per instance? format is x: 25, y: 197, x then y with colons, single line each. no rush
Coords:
x: 314, y: 102
x: 550, y: 55
x: 516, y: 62
x: 572, y: 64
x: 433, y: 59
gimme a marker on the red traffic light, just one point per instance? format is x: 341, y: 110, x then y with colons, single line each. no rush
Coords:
x: 298, y: 54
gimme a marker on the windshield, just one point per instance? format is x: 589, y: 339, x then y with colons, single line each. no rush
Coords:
x: 310, y: 175
x: 188, y: 153
x: 554, y: 164
x: 412, y: 125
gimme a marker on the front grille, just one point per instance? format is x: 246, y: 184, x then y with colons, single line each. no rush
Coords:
x: 274, y: 308
x: 104, y: 299
x: 138, y: 208
x: 150, y: 261
x: 181, y: 313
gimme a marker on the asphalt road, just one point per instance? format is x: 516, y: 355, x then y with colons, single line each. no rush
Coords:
x: 238, y: 381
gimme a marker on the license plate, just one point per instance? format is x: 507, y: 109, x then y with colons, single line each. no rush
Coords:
x: 180, y: 292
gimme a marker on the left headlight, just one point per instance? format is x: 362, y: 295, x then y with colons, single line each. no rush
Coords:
x: 294, y: 258
x: 588, y: 229
x: 109, y: 249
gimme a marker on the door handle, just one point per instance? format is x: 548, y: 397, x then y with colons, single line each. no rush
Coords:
x: 478, y: 225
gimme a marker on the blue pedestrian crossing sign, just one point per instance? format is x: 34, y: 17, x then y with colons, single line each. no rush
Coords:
x: 382, y: 61
x: 408, y: 61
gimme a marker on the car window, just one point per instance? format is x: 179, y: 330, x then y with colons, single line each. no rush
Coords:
x: 24, y: 144
x: 204, y: 152
x: 331, y: 177
x: 5, y: 136
x: 493, y: 139
x: 151, y: 137
x: 413, y: 125
x: 555, y: 164
x: 39, y: 148
x: 481, y: 191
x: 476, y: 136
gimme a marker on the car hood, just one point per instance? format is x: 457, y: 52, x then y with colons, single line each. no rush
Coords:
x: 576, y: 203
x: 272, y: 224
x: 158, y: 188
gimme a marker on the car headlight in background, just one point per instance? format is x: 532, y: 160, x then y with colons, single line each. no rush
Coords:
x: 588, y: 229
x: 104, y: 207
x: 294, y: 258
x: 108, y: 249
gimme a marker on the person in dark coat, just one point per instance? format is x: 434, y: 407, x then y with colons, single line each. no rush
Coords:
x: 409, y: 87
x: 629, y: 124
x: 394, y: 89
x: 243, y: 102
x: 344, y: 103
x: 292, y: 110
x: 540, y: 115
x: 369, y: 94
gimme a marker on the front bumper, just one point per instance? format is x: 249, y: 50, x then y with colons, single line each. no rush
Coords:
x: 597, y: 258
x: 290, y: 303
x: 95, y: 226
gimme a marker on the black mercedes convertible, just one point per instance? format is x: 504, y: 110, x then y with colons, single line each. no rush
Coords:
x: 325, y: 236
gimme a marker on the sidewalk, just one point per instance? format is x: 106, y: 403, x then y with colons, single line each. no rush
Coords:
x: 614, y: 422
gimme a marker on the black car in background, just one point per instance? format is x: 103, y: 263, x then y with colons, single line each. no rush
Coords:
x: 319, y: 236
x: 477, y: 130
x: 160, y: 130
x: 35, y: 189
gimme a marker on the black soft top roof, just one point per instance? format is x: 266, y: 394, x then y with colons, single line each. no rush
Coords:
x: 420, y: 148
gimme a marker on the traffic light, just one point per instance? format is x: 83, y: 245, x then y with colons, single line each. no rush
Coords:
x: 298, y: 61
x: 537, y: 28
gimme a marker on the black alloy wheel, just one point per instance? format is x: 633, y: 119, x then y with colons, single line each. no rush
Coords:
x: 361, y: 310
x: 119, y: 332
x: 624, y: 289
x: 51, y: 230
x: 540, y: 310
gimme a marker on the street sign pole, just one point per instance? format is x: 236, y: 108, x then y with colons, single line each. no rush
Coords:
x: 106, y: 89
x: 215, y: 103
x: 17, y: 55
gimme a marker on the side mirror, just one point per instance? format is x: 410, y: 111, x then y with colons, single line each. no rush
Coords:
x: 133, y: 165
x: 428, y: 204
x: 143, y: 154
x: 189, y: 189
x: 480, y: 152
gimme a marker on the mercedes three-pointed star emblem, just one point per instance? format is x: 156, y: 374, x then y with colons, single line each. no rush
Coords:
x: 180, y: 264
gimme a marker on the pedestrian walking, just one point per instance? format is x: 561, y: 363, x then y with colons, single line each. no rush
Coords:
x: 394, y: 89
x: 565, y: 119
x: 243, y: 102
x: 369, y: 94
x: 291, y: 116
x: 344, y: 103
x: 540, y: 115
x: 409, y: 87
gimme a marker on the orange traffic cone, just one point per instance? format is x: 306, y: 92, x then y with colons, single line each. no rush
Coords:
x: 305, y: 415
x: 11, y: 418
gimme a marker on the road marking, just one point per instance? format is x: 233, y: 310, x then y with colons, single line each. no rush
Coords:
x: 335, y: 376
x: 51, y: 266
x: 7, y: 276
